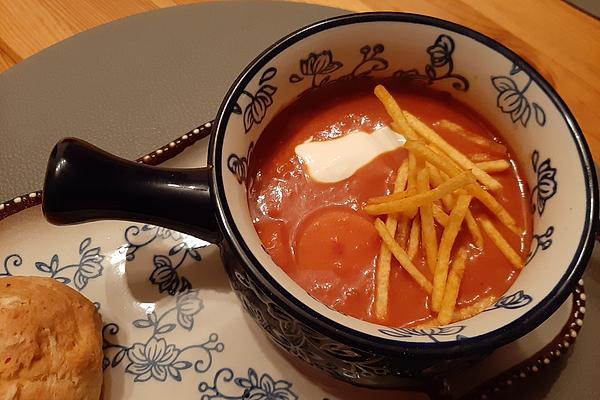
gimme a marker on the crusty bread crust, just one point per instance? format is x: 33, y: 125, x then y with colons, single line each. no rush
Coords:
x: 50, y: 342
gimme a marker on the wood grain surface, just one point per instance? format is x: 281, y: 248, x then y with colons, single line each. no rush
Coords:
x: 562, y: 42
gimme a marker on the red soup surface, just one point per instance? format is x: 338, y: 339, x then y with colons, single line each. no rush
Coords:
x: 318, y: 232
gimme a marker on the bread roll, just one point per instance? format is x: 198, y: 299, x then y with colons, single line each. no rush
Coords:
x: 50, y: 342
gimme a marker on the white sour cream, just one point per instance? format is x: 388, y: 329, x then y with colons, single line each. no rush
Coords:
x: 338, y: 159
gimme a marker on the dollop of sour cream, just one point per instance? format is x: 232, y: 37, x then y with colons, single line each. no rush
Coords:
x: 337, y: 159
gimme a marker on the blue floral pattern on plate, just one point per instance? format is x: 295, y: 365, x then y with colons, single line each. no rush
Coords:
x: 89, y: 266
x: 164, y: 274
x: 157, y: 358
x: 251, y: 388
x: 10, y: 261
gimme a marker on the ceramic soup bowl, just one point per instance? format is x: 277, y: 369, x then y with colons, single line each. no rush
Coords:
x: 84, y: 183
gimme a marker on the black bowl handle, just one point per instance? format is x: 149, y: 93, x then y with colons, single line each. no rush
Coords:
x: 84, y: 183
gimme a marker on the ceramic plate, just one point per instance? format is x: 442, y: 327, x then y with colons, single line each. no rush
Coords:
x: 172, y: 325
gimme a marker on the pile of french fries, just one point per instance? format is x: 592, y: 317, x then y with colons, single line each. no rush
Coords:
x: 435, y: 185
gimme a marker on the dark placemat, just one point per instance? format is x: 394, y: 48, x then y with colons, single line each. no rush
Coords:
x: 591, y: 7
x: 132, y: 85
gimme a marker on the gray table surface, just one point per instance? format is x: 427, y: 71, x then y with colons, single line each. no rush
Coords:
x: 134, y: 84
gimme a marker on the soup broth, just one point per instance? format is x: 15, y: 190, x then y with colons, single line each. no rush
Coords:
x: 318, y: 232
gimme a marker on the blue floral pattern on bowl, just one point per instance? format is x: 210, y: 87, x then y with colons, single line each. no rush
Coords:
x: 512, y: 100
x: 299, y: 339
x: 546, y: 186
x: 512, y: 301
x: 238, y: 166
x: 319, y: 67
x: 540, y: 242
x: 259, y: 102
x: 433, y: 333
x: 323, y: 64
x: 441, y: 66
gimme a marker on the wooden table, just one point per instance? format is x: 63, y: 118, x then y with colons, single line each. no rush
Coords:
x: 561, y: 41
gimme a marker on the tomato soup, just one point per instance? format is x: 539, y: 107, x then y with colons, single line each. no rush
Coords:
x: 319, y: 234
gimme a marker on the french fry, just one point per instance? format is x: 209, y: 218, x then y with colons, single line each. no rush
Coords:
x: 430, y: 323
x: 494, y: 206
x: 448, y: 237
x: 398, y: 129
x: 504, y: 247
x: 402, y: 257
x: 382, y: 273
x: 440, y: 161
x: 449, y: 203
x: 440, y: 215
x: 474, y: 230
x: 473, y: 309
x: 439, y: 151
x: 431, y: 136
x: 428, y: 232
x: 400, y: 184
x: 401, y: 177
x: 394, y: 196
x: 475, y: 190
x: 473, y: 137
x: 413, y: 239
x: 460, y: 314
x: 412, y: 180
x: 408, y: 203
x: 400, y: 124
x: 452, y: 287
x: 436, y: 180
x: 481, y: 157
x: 403, y: 231
x: 412, y: 172
x: 493, y: 166
x: 472, y: 225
